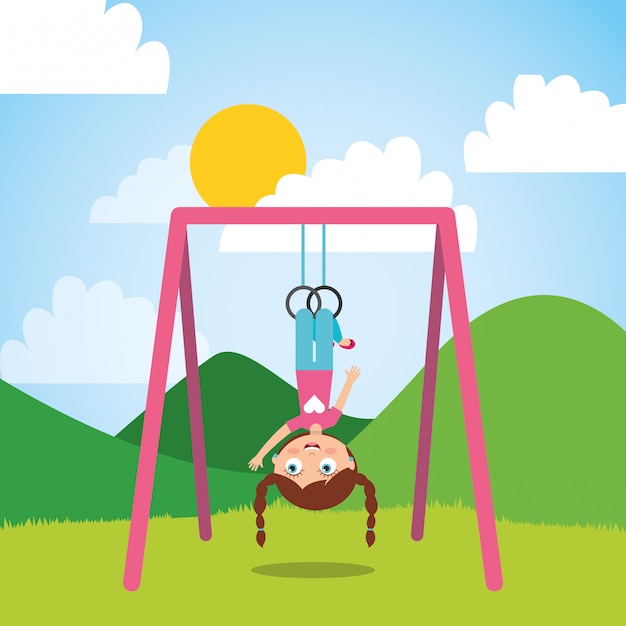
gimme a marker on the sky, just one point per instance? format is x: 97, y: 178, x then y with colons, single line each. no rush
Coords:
x: 512, y: 113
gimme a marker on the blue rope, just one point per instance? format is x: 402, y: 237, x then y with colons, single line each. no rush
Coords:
x: 323, y: 254
x: 302, y: 252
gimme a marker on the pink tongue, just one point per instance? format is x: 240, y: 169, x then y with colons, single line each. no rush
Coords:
x: 312, y: 445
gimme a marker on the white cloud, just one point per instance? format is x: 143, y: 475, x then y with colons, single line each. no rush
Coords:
x: 74, y: 46
x: 91, y: 336
x: 149, y: 196
x: 367, y: 177
x: 550, y: 128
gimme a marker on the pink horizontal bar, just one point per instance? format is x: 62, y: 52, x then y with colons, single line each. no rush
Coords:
x: 312, y: 215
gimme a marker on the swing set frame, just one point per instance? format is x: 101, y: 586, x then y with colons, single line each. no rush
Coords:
x: 177, y: 282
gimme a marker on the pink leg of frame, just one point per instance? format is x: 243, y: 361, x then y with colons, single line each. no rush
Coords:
x: 471, y: 406
x: 428, y: 393
x: 195, y: 401
x: 471, y: 410
x: 176, y: 275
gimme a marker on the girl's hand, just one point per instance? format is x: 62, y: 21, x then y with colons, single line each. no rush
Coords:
x: 352, y: 374
x: 255, y: 463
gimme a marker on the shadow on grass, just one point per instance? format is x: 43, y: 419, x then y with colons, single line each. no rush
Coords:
x: 312, y: 570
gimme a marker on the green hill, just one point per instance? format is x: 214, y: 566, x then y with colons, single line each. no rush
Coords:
x: 243, y: 404
x: 552, y: 382
x: 53, y: 467
x: 551, y: 375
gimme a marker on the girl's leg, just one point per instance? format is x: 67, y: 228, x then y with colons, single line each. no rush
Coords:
x: 337, y: 336
x: 324, y: 327
x: 314, y: 363
x: 304, y: 340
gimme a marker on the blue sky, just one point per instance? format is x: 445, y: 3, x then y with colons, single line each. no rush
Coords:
x: 341, y: 72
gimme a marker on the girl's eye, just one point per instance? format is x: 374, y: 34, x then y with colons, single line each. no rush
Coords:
x: 293, y: 466
x: 328, y: 466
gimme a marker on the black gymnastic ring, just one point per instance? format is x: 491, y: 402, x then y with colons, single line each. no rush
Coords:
x: 308, y: 300
x: 316, y: 290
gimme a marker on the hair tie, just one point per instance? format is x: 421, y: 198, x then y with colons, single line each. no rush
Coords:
x: 274, y: 456
x: 370, y: 530
x: 350, y: 458
x: 261, y: 530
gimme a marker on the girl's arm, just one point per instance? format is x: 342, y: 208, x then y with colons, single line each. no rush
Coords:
x: 277, y: 437
x: 351, y: 375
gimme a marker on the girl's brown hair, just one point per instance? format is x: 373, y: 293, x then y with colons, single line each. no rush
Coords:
x: 317, y: 496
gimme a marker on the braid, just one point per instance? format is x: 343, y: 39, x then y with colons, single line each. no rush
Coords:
x: 371, y: 505
x: 260, y: 504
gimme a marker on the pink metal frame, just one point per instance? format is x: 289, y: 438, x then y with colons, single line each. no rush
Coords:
x: 177, y: 280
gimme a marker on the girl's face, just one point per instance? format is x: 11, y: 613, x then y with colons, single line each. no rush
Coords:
x: 311, y: 458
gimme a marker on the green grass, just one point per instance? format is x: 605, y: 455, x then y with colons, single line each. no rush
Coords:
x: 71, y: 573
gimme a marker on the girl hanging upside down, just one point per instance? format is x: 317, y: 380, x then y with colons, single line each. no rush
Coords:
x: 314, y: 470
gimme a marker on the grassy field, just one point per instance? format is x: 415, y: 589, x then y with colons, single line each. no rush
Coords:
x: 315, y: 568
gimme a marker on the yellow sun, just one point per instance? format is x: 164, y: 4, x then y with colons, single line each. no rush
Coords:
x: 240, y: 154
